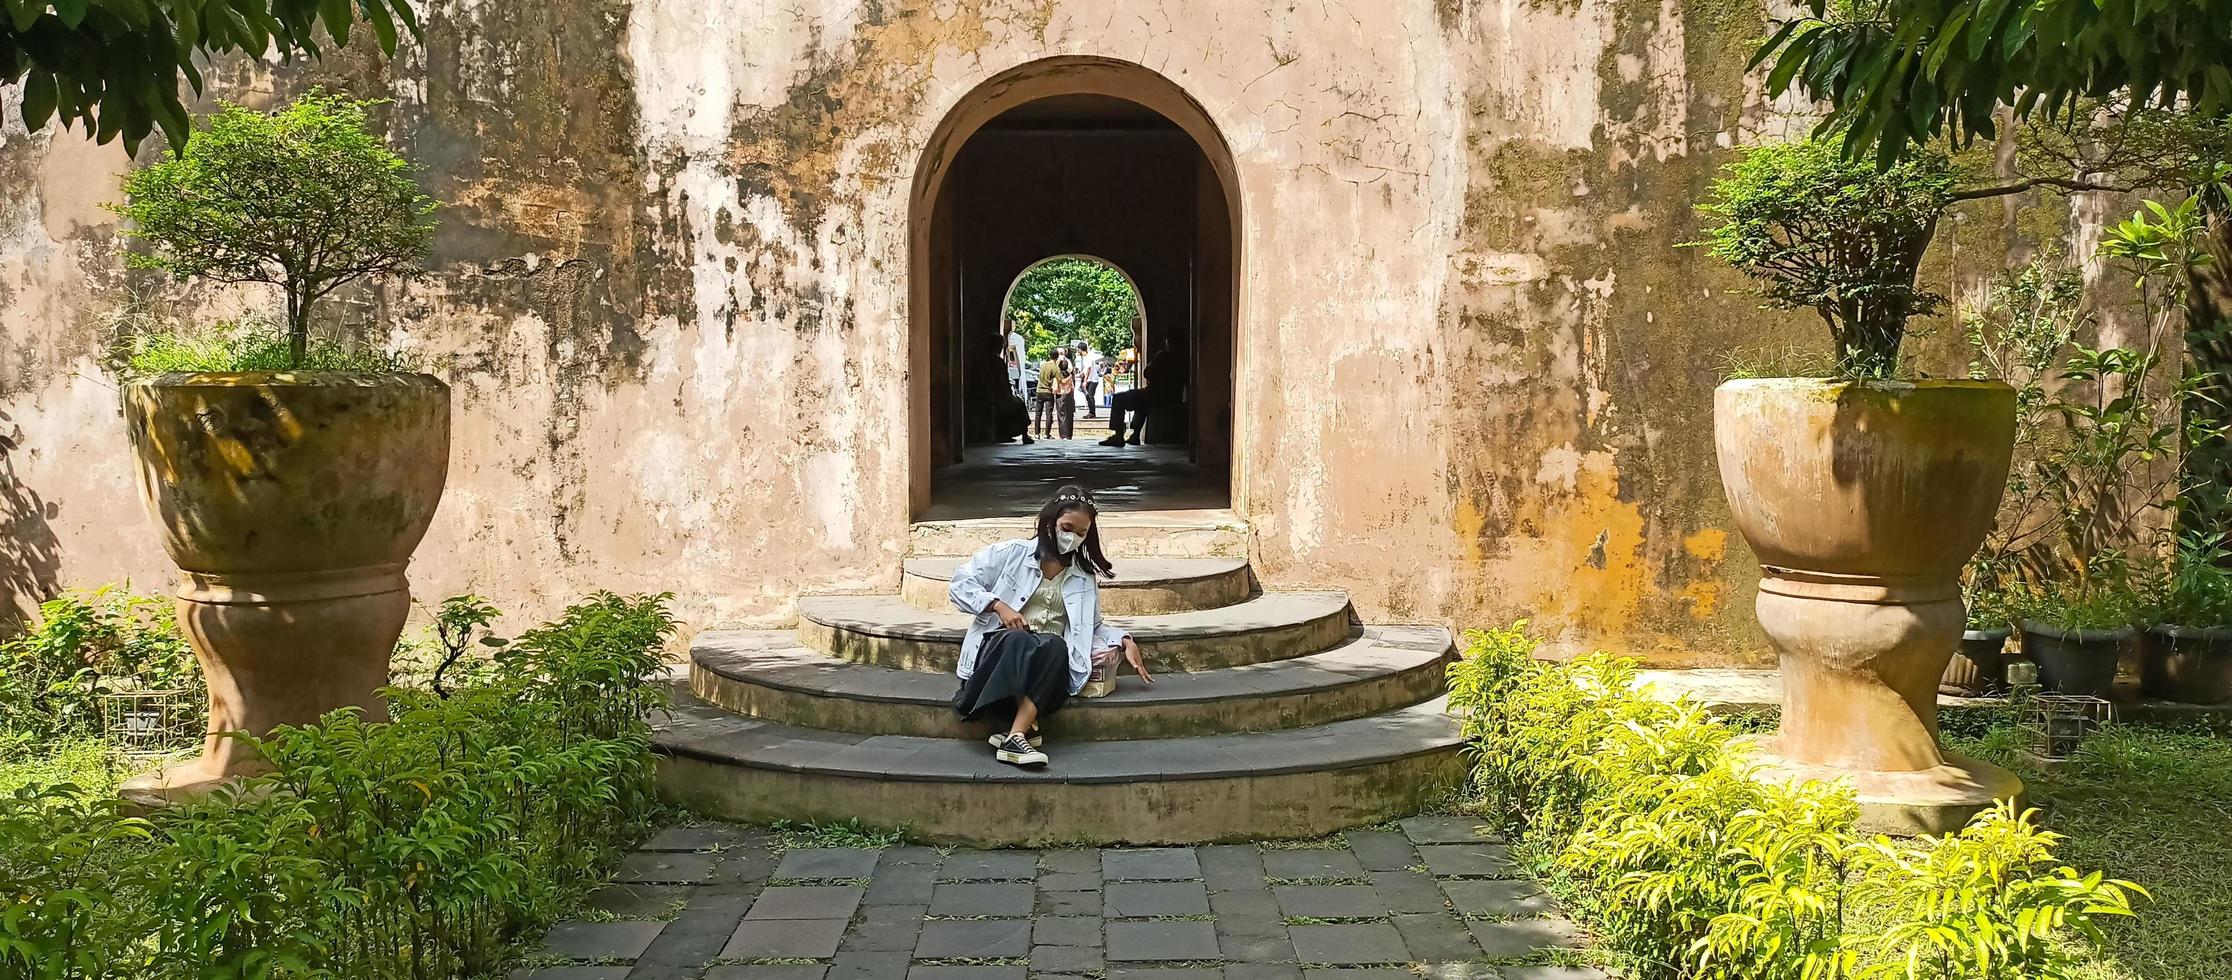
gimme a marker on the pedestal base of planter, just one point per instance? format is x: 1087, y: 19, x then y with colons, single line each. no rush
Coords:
x: 180, y: 782
x: 1905, y: 804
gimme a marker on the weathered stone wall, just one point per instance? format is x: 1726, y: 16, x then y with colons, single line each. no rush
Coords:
x: 670, y: 290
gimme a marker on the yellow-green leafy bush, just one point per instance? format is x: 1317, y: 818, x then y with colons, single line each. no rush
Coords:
x: 1639, y: 812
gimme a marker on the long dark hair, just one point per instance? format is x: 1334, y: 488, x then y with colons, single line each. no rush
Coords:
x: 1067, y: 499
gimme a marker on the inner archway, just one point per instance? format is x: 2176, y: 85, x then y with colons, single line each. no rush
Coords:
x: 1066, y: 160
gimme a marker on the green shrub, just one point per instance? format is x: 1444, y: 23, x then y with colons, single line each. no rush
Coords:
x: 425, y: 846
x: 1640, y: 813
x: 250, y: 347
x: 87, y: 644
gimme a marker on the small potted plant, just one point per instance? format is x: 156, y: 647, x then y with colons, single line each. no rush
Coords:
x: 2076, y: 628
x: 1979, y: 665
x: 2188, y: 653
x: 292, y: 478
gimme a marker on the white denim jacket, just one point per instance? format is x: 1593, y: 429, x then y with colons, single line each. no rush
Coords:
x: 1009, y: 571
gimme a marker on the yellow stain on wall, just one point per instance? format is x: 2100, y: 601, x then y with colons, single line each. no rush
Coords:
x: 1707, y: 544
x: 1598, y: 538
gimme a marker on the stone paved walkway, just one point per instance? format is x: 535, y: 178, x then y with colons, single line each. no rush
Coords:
x: 1433, y: 896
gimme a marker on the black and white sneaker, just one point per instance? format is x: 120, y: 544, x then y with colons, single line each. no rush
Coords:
x: 1034, y: 738
x: 1015, y: 751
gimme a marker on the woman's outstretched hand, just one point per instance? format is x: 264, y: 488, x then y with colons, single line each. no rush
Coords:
x: 1009, y: 618
x: 1131, y: 656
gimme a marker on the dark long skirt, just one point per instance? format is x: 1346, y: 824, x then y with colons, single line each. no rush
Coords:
x: 1015, y: 663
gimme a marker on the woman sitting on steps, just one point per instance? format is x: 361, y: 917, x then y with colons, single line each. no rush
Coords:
x: 1038, y: 625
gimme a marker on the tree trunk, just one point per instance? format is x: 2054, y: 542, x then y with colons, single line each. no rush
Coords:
x: 298, y: 326
x: 2206, y: 498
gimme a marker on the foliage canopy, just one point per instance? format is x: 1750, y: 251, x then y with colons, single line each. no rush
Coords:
x: 303, y: 198
x: 1898, y: 72
x: 115, y: 65
x: 1837, y: 236
x: 1072, y: 298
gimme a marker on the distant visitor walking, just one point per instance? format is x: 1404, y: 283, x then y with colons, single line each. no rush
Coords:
x: 1056, y: 409
x: 1038, y: 627
x: 1090, y: 367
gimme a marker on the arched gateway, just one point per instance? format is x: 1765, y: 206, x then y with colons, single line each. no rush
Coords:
x: 1274, y: 714
x: 1074, y: 156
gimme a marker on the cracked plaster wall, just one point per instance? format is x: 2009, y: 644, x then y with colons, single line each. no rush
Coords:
x: 670, y: 292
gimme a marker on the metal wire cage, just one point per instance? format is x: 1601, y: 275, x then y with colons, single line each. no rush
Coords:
x: 2054, y: 725
x: 145, y: 724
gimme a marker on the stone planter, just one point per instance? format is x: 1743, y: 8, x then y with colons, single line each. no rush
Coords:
x: 291, y: 503
x: 2185, y: 663
x: 1979, y: 665
x: 2076, y: 661
x: 1862, y: 501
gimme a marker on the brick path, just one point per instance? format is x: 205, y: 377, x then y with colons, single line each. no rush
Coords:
x: 1433, y: 896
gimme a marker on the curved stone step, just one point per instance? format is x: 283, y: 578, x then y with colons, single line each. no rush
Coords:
x: 887, y: 632
x: 1126, y: 534
x: 769, y: 676
x: 1144, y: 586
x: 1297, y: 783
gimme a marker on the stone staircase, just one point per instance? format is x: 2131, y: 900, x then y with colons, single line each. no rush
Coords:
x: 1274, y: 714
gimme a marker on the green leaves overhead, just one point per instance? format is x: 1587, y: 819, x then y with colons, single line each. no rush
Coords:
x: 116, y: 65
x: 1076, y: 297
x: 1898, y: 72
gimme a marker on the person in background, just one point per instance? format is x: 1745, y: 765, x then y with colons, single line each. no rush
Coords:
x: 1018, y: 358
x: 1090, y: 367
x: 1161, y: 383
x: 1056, y: 410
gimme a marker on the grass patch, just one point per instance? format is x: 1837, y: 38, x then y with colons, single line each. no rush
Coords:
x: 251, y: 349
x: 2153, y: 805
x: 790, y: 835
x: 91, y: 764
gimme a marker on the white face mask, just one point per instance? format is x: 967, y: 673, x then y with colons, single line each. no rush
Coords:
x: 1068, y: 540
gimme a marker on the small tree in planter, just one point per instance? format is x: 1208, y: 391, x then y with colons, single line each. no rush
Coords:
x: 291, y: 498
x: 1861, y: 495
x: 303, y: 198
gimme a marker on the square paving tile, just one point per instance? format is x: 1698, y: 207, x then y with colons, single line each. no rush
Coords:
x: 1066, y: 930
x: 989, y: 866
x: 1477, y: 860
x: 1070, y: 860
x: 1408, y: 891
x: 1230, y: 867
x: 1253, y: 940
x: 1262, y: 971
x: 646, y: 868
x: 1135, y: 942
x: 1437, y: 937
x: 806, y: 902
x: 1167, y: 973
x: 935, y: 972
x: 1151, y: 864
x: 1154, y: 899
x: 910, y: 854
x: 1448, y: 830
x: 1553, y: 973
x: 601, y: 940
x: 1070, y: 903
x: 963, y: 899
x: 887, y: 928
x: 1339, y: 945
x: 1330, y: 901
x: 776, y: 939
x: 1521, y: 937
x: 570, y: 973
x: 1359, y: 973
x: 768, y: 971
x: 948, y: 938
x: 1258, y: 903
x: 1070, y: 881
x: 868, y: 966
x: 1313, y: 863
x: 901, y: 885
x: 827, y: 862
x: 1066, y: 959
x: 1381, y: 850
x: 1499, y: 899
